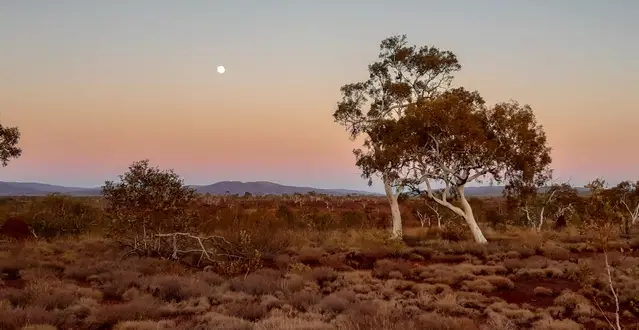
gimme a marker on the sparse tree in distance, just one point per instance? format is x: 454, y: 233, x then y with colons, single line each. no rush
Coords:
x: 9, y: 138
x: 426, y: 210
x: 402, y: 76
x: 626, y: 194
x: 604, y: 216
x: 454, y: 139
x: 602, y: 208
x: 564, y: 199
x: 552, y: 199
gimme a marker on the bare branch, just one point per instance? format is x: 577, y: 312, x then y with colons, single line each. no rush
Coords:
x: 634, y: 214
x: 204, y: 252
x: 617, y: 325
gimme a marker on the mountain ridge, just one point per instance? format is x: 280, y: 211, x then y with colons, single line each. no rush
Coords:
x: 218, y: 188
x: 221, y: 188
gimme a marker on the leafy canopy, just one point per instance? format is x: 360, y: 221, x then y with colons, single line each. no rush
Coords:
x: 148, y: 199
x: 402, y: 75
x: 9, y: 137
x: 455, y: 138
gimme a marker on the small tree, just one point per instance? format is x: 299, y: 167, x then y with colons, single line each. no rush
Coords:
x: 536, y: 204
x: 426, y: 209
x: 601, y: 208
x: 626, y: 195
x: 9, y: 138
x: 603, y: 218
x: 564, y: 199
x: 455, y: 139
x: 496, y: 212
x: 147, y: 202
x: 402, y: 76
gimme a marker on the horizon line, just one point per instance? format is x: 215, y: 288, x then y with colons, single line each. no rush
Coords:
x: 259, y: 181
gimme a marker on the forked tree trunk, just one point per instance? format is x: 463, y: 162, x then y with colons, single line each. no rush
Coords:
x: 396, y: 225
x: 466, y: 212
x: 469, y: 216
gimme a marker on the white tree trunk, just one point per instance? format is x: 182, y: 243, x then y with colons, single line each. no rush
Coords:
x: 469, y: 216
x: 465, y: 211
x: 634, y: 215
x: 422, y: 219
x: 541, y: 218
x: 438, y: 215
x: 396, y: 226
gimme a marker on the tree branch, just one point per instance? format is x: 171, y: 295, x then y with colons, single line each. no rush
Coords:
x: 617, y: 326
x: 634, y: 214
x: 443, y: 201
x: 204, y: 253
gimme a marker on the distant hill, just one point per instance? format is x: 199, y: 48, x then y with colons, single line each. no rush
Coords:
x: 39, y: 189
x: 269, y: 188
x: 221, y: 188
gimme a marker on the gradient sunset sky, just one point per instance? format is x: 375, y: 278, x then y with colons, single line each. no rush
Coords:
x: 96, y: 85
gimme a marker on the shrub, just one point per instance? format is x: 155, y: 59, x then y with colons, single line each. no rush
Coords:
x: 454, y: 232
x: 57, y: 215
x: 176, y: 288
x: 303, y: 300
x: 147, y: 201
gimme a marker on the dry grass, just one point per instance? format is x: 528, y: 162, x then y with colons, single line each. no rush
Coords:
x: 62, y: 286
x: 343, y: 279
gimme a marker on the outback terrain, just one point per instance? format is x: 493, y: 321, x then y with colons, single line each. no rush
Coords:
x: 309, y: 262
x: 221, y: 188
x: 218, y: 188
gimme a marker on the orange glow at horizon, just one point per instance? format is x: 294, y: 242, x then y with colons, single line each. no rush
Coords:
x: 95, y: 87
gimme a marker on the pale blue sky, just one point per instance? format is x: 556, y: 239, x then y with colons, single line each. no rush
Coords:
x: 96, y: 85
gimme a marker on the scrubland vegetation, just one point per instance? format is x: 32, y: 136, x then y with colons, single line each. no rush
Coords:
x: 308, y: 262
x: 152, y: 254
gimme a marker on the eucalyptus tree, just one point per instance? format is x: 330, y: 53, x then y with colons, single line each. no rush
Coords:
x: 9, y: 138
x: 403, y: 75
x: 455, y: 138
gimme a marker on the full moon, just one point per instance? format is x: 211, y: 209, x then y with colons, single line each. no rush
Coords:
x: 221, y: 69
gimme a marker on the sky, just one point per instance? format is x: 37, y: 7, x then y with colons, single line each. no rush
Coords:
x: 96, y: 85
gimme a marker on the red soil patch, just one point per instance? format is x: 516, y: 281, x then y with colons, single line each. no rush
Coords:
x: 523, y: 292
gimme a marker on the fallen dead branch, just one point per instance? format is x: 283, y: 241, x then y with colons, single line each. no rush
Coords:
x: 208, y: 254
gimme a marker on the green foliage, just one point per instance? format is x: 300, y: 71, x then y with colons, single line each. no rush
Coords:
x: 602, y: 209
x: 496, y: 219
x: 454, y: 231
x: 242, y: 257
x: 323, y: 220
x: 403, y: 75
x: 285, y: 213
x: 269, y: 219
x: 55, y: 215
x: 59, y: 215
x: 527, y: 204
x: 352, y: 218
x: 148, y: 201
x: 9, y: 138
x: 625, y: 198
x: 417, y: 130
